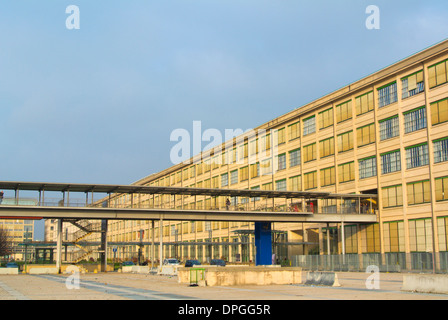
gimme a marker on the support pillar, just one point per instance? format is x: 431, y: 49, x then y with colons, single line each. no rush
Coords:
x: 263, y: 243
x: 59, y: 246
x: 161, y: 244
x: 104, y: 245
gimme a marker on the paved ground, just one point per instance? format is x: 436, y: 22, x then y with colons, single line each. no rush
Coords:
x: 118, y: 286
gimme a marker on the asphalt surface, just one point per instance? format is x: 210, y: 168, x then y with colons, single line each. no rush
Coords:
x: 126, y: 286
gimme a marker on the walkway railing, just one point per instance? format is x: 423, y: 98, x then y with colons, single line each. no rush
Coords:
x: 339, y: 206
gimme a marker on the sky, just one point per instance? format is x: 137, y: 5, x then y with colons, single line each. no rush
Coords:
x: 98, y: 104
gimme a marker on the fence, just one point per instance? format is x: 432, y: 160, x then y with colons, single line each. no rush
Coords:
x: 388, y: 262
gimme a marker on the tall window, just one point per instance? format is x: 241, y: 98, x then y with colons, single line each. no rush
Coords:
x: 419, y: 192
x: 441, y: 150
x: 417, y: 156
x: 244, y: 173
x: 309, y: 152
x: 281, y: 161
x: 280, y: 136
x: 365, y: 135
x: 364, y: 103
x: 390, y: 162
x: 438, y: 74
x: 412, y: 85
x: 310, y: 180
x: 295, y: 183
x: 234, y: 177
x: 441, y: 189
x: 345, y: 141
x: 387, y: 95
x: 326, y: 118
x: 293, y: 131
x: 309, y: 125
x: 266, y: 167
x: 415, y: 120
x: 254, y: 170
x: 344, y: 111
x: 420, y: 235
x: 346, y: 172
x: 389, y: 128
x: 327, y: 177
x: 367, y: 167
x: 392, y: 196
x: 439, y: 111
x: 294, y: 158
x: 326, y: 147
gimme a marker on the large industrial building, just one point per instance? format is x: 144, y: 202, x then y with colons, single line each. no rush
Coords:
x: 386, y: 134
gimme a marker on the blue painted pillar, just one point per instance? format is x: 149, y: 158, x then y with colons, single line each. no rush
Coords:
x: 263, y: 243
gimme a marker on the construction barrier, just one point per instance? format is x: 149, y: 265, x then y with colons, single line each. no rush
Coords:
x: 9, y: 270
x: 329, y: 279
x: 425, y: 283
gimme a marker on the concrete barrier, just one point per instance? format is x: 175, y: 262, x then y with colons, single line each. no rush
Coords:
x: 135, y: 269
x: 168, y: 270
x: 425, y: 283
x: 9, y: 270
x: 329, y: 279
x: 237, y: 276
x: 41, y: 270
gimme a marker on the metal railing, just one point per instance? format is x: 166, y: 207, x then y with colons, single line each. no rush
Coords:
x: 423, y: 262
x: 342, y: 207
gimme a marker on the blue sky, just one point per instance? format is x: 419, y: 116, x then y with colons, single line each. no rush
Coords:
x: 98, y: 104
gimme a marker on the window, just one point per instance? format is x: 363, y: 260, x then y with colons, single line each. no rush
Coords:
x: 394, y: 236
x: 253, y: 148
x: 234, y: 177
x: 387, y: 95
x: 215, y: 182
x: 438, y: 74
x: 326, y: 147
x: 309, y: 125
x: 346, y: 172
x: 419, y: 192
x: 390, y: 162
x: 420, y: 235
x: 293, y: 131
x: 365, y: 135
x: 439, y: 111
x: 310, y: 180
x: 345, y: 141
x: 392, y: 196
x: 224, y: 180
x: 295, y: 183
x: 244, y: 173
x: 417, y: 156
x: 267, y: 186
x: 415, y: 119
x: 255, y: 198
x: 280, y: 136
x: 364, y: 103
x: 280, y: 185
x: 441, y: 150
x: 326, y: 118
x: 266, y: 167
x: 389, y: 128
x: 441, y: 189
x: 254, y: 170
x: 367, y: 168
x: 309, y: 152
x: 266, y: 142
x: 344, y: 111
x: 281, y: 161
x: 294, y: 158
x: 412, y: 85
x: 327, y: 177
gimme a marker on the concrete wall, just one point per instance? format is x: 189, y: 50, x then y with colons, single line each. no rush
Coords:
x: 9, y: 270
x: 233, y: 276
x: 426, y: 283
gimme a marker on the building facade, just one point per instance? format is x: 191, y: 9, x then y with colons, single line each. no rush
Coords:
x: 385, y: 134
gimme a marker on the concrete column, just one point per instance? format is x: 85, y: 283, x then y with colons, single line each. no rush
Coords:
x: 161, y: 243
x: 59, y: 246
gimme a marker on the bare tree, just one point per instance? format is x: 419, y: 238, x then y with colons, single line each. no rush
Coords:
x: 5, y: 242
